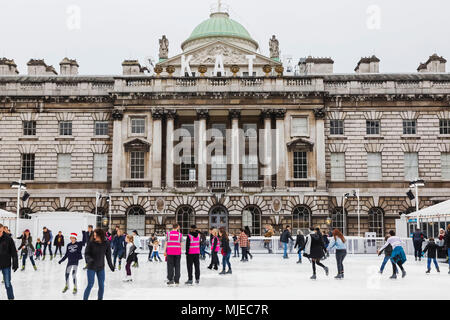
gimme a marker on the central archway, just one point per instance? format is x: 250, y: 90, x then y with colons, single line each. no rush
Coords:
x: 218, y: 217
x: 136, y: 220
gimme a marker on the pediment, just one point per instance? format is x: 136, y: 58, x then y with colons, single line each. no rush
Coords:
x: 300, y: 144
x: 232, y: 54
x: 137, y: 145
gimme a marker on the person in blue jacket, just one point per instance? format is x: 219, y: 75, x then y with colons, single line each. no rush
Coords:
x: 418, y: 238
x: 118, y: 246
x: 73, y: 254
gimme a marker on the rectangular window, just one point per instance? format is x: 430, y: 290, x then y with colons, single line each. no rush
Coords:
x: 409, y: 126
x: 411, y: 166
x: 336, y: 127
x: 138, y: 126
x: 137, y: 164
x: 28, y: 166
x: 300, y: 165
x: 219, y: 168
x: 29, y: 128
x: 444, y: 126
x: 187, y: 169
x: 65, y: 128
x: 445, y: 166
x: 373, y: 127
x: 299, y: 127
x: 64, y: 166
x: 338, y: 166
x: 101, y: 128
x: 250, y: 130
x: 3, y: 205
x: 374, y: 172
x: 100, y: 167
x: 250, y: 168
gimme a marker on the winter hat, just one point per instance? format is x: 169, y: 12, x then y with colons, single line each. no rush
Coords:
x: 27, y: 230
x: 74, y: 235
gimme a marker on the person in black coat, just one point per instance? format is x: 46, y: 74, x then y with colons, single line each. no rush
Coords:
x: 249, y: 234
x: 193, y: 259
x: 314, y: 249
x: 431, y: 248
x: 8, y: 259
x: 284, y: 239
x: 447, y: 245
x: 299, y: 243
x: 226, y: 251
x: 96, y: 251
x: 59, y: 243
x: 418, y: 239
x: 387, y: 255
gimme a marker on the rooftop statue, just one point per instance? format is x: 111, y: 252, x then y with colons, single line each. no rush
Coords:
x: 163, y: 48
x: 274, y: 46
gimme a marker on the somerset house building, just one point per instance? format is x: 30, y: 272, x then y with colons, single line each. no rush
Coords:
x: 221, y: 135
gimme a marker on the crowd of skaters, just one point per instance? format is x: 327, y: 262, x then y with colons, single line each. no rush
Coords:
x: 117, y: 246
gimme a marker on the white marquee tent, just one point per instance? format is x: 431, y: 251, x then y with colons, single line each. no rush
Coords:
x: 440, y: 210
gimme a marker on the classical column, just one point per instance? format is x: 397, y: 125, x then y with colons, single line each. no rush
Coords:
x: 117, y: 149
x: 170, y: 116
x: 267, y: 161
x: 235, y: 157
x: 202, y: 116
x: 281, y: 150
x: 157, y: 116
x: 320, y: 149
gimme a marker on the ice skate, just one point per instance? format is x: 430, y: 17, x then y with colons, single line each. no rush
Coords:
x: 313, y: 277
x: 299, y: 261
x: 35, y: 268
x: 229, y: 271
x: 197, y: 281
x: 437, y: 269
x: 394, y: 276
x: 51, y: 258
x: 403, y: 273
x: 74, y: 290
x: 327, y: 270
x: 23, y: 268
x: 428, y: 271
x: 189, y: 283
x: 170, y: 283
x: 338, y: 277
x: 65, y: 289
x: 222, y: 273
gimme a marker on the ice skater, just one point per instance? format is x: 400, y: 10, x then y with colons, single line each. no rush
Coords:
x: 215, y: 248
x: 203, y: 246
x: 38, y: 249
x: 155, y: 253
x: 59, y: 243
x: 236, y: 245
x: 47, y: 238
x: 118, y: 246
x: 249, y: 235
x: 418, y: 238
x: 431, y: 249
x: 150, y: 246
x: 284, y: 239
x: 8, y: 260
x: 387, y: 255
x: 130, y: 256
x: 226, y: 251
x: 338, y: 241
x: 314, y: 249
x: 27, y: 249
x: 299, y: 243
x: 137, y: 244
x: 172, y: 251
x: 398, y: 256
x: 73, y: 256
x: 243, y: 243
x: 447, y: 245
x: 193, y: 255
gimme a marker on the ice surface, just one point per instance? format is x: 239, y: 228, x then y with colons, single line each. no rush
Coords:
x: 264, y: 277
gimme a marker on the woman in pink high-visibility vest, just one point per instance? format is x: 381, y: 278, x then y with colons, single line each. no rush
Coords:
x: 172, y: 251
x: 193, y: 255
x: 215, y: 248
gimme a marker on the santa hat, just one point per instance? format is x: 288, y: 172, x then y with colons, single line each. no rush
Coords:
x: 74, y: 235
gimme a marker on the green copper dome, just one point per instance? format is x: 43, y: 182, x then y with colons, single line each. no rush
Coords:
x: 220, y: 25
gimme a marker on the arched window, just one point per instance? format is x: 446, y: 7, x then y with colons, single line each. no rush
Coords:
x: 376, y: 221
x: 62, y: 209
x: 251, y: 217
x: 185, y: 218
x: 136, y: 220
x: 218, y: 217
x: 339, y: 219
x: 301, y: 218
x: 25, y: 213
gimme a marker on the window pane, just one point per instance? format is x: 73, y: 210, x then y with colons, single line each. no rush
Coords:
x: 300, y: 165
x: 137, y: 164
x: 65, y: 128
x: 187, y: 130
x: 299, y: 127
x: 187, y: 169
x: 337, y: 127
x: 219, y: 168
x: 250, y: 168
x: 338, y: 166
x: 411, y: 166
x: 219, y: 130
x: 28, y: 166
x: 29, y: 128
x: 409, y: 126
x: 101, y: 128
x: 100, y: 167
x: 138, y: 126
x: 444, y: 126
x: 445, y: 165
x: 64, y: 165
x: 374, y: 166
x: 373, y: 126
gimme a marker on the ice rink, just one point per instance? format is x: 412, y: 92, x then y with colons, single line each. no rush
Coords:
x: 264, y: 277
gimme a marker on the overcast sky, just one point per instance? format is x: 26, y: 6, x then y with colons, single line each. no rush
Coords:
x: 401, y: 33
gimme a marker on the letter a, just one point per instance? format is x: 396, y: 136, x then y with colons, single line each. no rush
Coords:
x: 218, y: 66
x: 185, y: 67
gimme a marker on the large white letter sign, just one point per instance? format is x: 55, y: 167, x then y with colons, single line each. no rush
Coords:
x: 185, y: 67
x: 250, y: 59
x: 218, y: 66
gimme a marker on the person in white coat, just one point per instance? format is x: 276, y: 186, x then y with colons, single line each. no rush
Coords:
x: 137, y: 244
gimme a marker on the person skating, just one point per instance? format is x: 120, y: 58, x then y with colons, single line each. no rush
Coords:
x: 338, y: 241
x: 387, y: 255
x: 314, y: 249
x: 8, y: 260
x: 203, y: 246
x: 27, y: 249
x: 155, y: 253
x: 299, y: 243
x: 447, y: 245
x: 215, y: 248
x: 398, y: 256
x: 87, y: 236
x: 38, y: 249
x: 59, y: 243
x: 137, y: 244
x: 249, y: 235
x: 284, y: 239
x: 118, y: 247
x: 73, y: 256
x: 418, y: 238
x: 130, y: 256
x: 150, y: 246
x: 431, y: 250
x: 172, y: 251
x: 226, y: 251
x: 47, y: 238
x: 236, y: 245
x: 96, y: 251
x: 243, y: 243
x: 193, y: 255
x: 268, y: 235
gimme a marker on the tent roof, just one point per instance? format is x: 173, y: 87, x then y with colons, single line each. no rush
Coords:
x: 6, y: 214
x: 440, y: 209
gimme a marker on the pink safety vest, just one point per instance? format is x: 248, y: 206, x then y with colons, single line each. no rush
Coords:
x: 194, y: 247
x: 217, y: 248
x: 174, y: 243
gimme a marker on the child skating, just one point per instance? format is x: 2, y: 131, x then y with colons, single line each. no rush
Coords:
x: 38, y: 249
x: 155, y: 253
x: 129, y: 256
x: 431, y: 250
x: 73, y: 254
